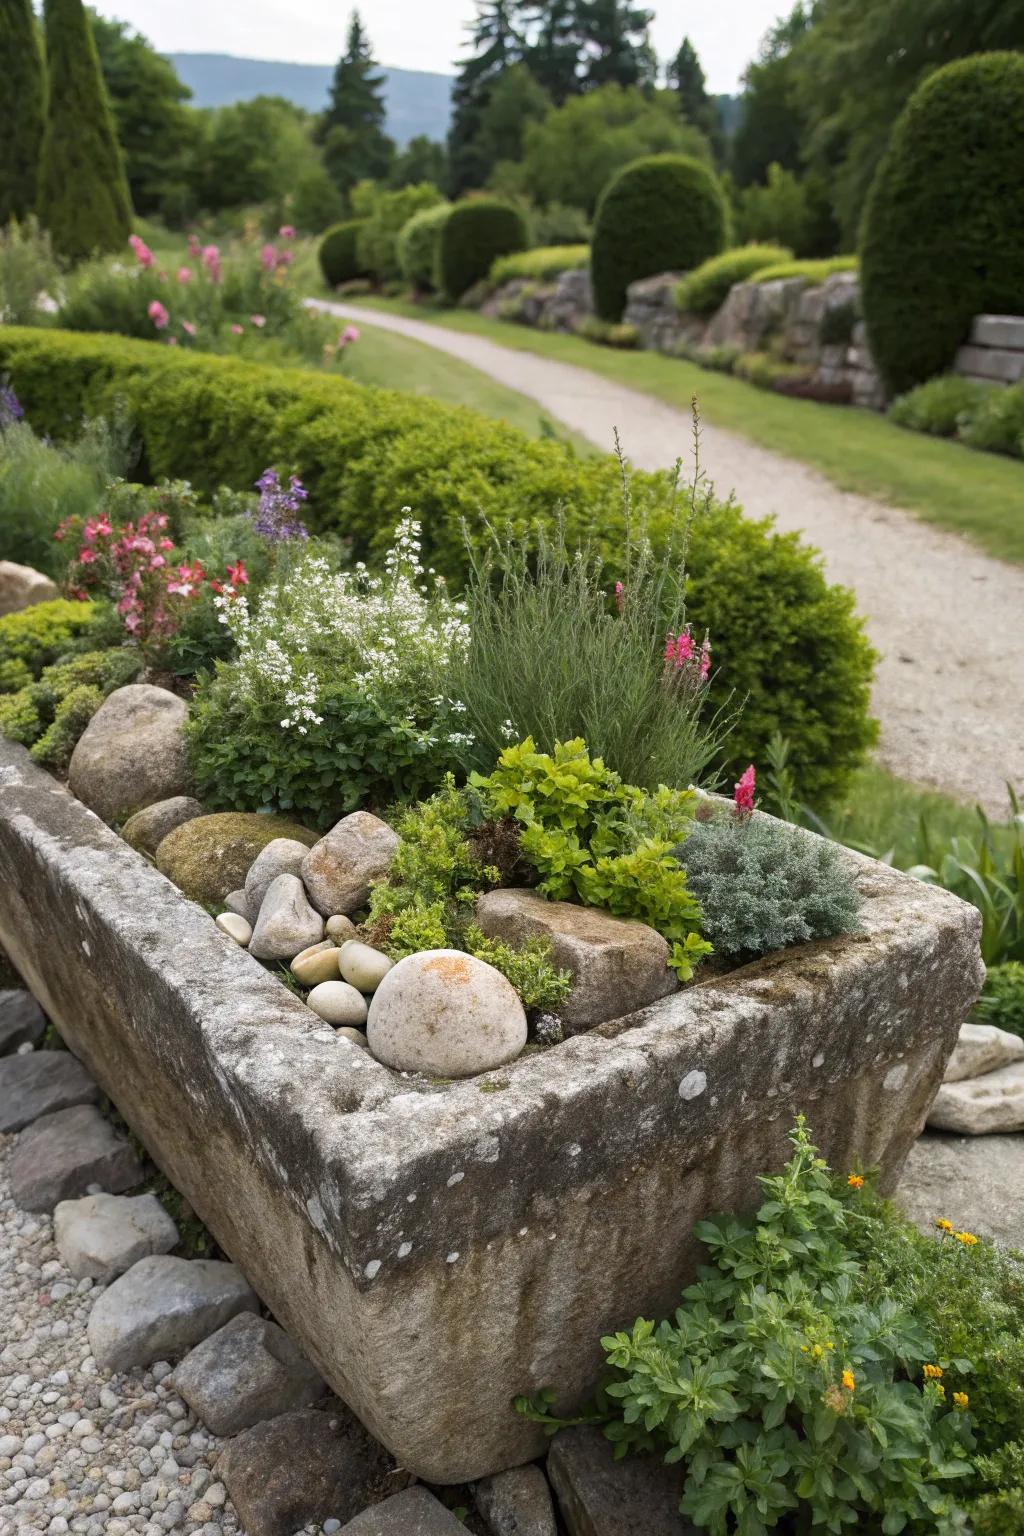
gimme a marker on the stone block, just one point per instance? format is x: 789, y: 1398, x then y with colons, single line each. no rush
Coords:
x: 413, y: 1513
x: 21, y: 586
x: 1005, y: 331
x: 22, y: 1021
x: 516, y: 1503
x: 164, y: 1306
x: 598, y: 1496
x: 436, y: 1249
x: 100, y: 1236
x: 39, y: 1084
x: 978, y: 1106
x: 998, y: 364
x: 982, y: 1048
x: 59, y: 1156
x: 132, y: 752
x: 248, y: 1371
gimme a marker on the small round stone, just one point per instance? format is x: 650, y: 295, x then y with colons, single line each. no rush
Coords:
x: 317, y: 963
x: 338, y: 1003
x: 340, y: 928
x: 355, y: 1035
x: 235, y: 926
x: 363, y: 967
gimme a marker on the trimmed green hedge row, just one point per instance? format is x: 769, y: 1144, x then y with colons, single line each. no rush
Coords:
x: 782, y: 636
x: 943, y: 233
x: 473, y: 236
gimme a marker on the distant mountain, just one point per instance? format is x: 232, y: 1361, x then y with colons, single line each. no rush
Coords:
x: 417, y: 102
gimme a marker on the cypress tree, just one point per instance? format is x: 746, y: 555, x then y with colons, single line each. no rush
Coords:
x: 352, y: 127
x: 24, y: 92
x: 83, y: 193
x: 686, y: 78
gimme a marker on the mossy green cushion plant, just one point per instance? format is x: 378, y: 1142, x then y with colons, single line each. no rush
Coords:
x: 706, y: 288
x: 813, y: 270
x: 785, y: 642
x: 50, y: 715
x: 542, y: 264
x: 664, y: 213
x: 209, y: 857
x: 338, y: 253
x: 34, y: 637
x: 473, y: 236
x: 943, y: 232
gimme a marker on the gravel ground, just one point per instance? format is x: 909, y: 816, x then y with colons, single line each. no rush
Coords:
x: 80, y: 1451
x: 947, y: 620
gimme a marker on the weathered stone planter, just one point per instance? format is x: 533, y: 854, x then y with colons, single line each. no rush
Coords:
x: 436, y: 1248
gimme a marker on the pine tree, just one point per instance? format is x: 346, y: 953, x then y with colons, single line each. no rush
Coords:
x: 553, y: 52
x: 497, y: 43
x: 614, y: 46
x: 24, y: 91
x: 352, y: 127
x: 83, y: 193
x: 686, y: 77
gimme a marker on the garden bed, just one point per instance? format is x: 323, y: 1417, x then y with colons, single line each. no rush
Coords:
x: 438, y: 1247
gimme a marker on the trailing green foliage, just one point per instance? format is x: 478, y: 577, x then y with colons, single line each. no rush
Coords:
x: 706, y: 288
x: 1002, y: 1000
x: 83, y: 193
x: 795, y: 1397
x: 35, y: 637
x: 338, y: 253
x: 607, y: 334
x: 763, y: 885
x: 608, y: 844
x: 812, y: 271
x: 784, y: 640
x: 541, y: 264
x: 418, y: 244
x: 666, y: 213
x: 939, y: 405
x: 25, y: 94
x: 472, y: 238
x: 943, y: 232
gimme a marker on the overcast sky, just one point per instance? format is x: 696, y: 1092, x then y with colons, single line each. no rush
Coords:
x: 419, y: 34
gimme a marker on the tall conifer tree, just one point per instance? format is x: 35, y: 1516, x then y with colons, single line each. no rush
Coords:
x: 83, y: 193
x: 24, y: 94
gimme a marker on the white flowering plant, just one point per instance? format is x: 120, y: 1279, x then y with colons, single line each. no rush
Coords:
x: 335, y: 695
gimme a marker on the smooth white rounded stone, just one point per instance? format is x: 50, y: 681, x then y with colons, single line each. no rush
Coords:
x: 340, y: 928
x: 446, y: 1014
x: 236, y: 927
x: 338, y: 1003
x: 362, y: 966
x: 355, y: 1035
x: 316, y: 964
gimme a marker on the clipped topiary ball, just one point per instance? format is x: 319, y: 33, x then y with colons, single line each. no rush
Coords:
x: 418, y: 244
x: 943, y: 232
x: 473, y: 235
x: 339, y: 260
x: 665, y: 213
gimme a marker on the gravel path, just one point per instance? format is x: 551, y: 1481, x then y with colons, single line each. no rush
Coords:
x: 79, y: 1451
x: 947, y: 620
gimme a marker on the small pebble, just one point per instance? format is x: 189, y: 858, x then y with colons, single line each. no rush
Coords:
x: 340, y: 928
x: 236, y: 927
x: 338, y: 1003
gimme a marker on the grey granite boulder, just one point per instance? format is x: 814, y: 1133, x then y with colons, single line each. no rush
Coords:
x: 163, y: 1306
x: 516, y: 1503
x: 132, y: 752
x: 302, y: 1468
x: 977, y: 1106
x: 982, y: 1048
x: 147, y: 829
x: 413, y: 1513
x: 59, y: 1156
x: 286, y: 924
x: 248, y: 1371
x: 617, y: 964
x: 598, y: 1496
x: 283, y: 856
x: 22, y: 586
x: 39, y: 1084
x: 22, y: 1021
x: 339, y: 870
x: 100, y: 1236
x: 977, y: 1183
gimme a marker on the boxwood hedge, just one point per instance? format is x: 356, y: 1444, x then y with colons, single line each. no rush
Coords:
x: 783, y: 638
x: 664, y: 213
x: 943, y: 232
x: 338, y: 252
x: 418, y: 243
x: 473, y: 236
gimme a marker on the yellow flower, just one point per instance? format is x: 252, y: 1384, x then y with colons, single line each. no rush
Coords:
x: 961, y: 1399
x: 944, y: 1225
x: 830, y: 1344
x: 933, y: 1371
x: 856, y: 1181
x: 967, y: 1238
x: 940, y: 1389
x: 848, y: 1381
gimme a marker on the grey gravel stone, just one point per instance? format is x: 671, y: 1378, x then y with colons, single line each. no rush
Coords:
x: 301, y: 1467
x: 164, y: 1306
x: 22, y: 1021
x: 247, y: 1371
x: 101, y: 1236
x: 238, y: 902
x: 516, y: 1503
x: 412, y: 1513
x: 59, y: 1156
x: 598, y: 1496
x: 40, y: 1083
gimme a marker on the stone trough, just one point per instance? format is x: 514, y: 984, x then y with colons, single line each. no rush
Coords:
x: 436, y: 1248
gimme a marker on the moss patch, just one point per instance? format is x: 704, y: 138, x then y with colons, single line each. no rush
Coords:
x: 209, y: 857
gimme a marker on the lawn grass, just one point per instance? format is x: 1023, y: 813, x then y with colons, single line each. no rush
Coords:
x: 882, y: 814
x: 980, y: 495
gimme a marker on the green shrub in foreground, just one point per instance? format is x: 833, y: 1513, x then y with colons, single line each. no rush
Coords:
x: 665, y: 213
x: 473, y: 236
x: 338, y: 253
x: 785, y: 642
x: 541, y: 264
x: 942, y: 238
x: 939, y: 405
x: 706, y: 288
x: 418, y: 243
